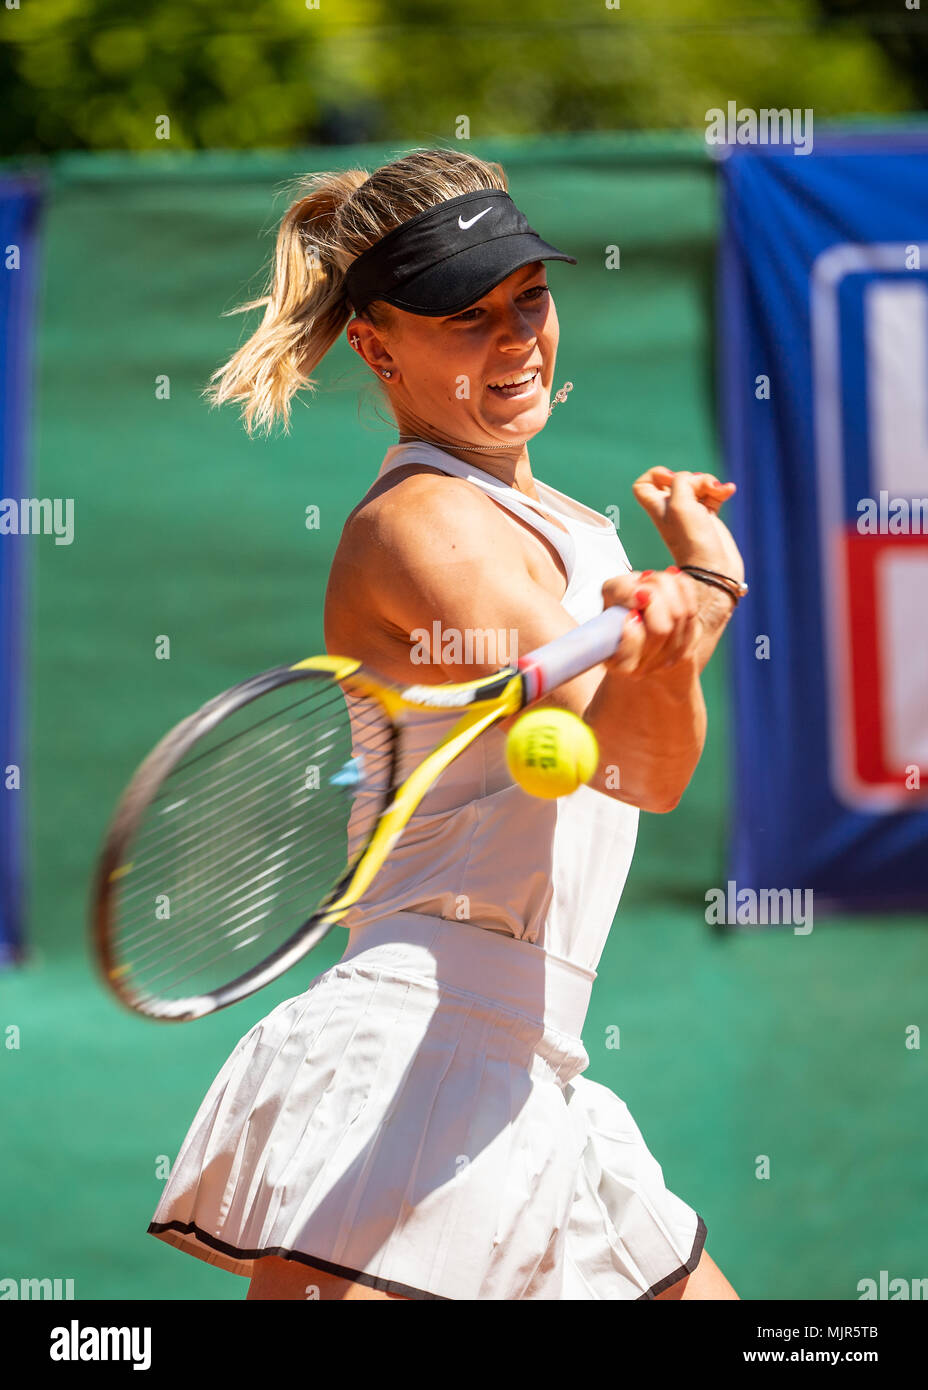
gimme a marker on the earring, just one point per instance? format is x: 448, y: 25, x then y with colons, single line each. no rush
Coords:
x: 354, y: 341
x: 385, y: 373
x: 561, y: 395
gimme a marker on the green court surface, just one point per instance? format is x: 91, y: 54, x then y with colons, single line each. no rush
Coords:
x: 732, y: 1047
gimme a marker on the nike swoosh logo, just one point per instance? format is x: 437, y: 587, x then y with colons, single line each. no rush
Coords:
x: 464, y: 225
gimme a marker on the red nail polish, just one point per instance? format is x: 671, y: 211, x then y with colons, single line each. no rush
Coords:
x: 646, y: 573
x: 642, y: 598
x: 635, y: 617
x: 674, y: 569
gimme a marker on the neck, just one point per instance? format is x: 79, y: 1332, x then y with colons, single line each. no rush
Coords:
x: 509, y: 463
x: 514, y: 469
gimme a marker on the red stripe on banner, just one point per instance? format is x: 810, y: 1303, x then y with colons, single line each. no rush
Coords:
x: 869, y: 677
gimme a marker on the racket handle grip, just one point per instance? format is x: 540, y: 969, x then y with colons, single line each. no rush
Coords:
x: 568, y: 656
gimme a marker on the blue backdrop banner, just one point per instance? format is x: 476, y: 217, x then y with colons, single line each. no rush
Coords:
x: 19, y: 221
x: 824, y: 379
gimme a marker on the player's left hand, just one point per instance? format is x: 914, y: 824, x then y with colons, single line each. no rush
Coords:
x: 684, y: 508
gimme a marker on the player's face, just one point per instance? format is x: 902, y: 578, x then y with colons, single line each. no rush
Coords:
x: 448, y: 371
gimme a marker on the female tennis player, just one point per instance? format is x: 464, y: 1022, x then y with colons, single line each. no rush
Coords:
x: 417, y: 1124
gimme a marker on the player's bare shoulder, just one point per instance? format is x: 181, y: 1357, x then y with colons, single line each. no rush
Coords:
x: 400, y: 535
x: 415, y: 514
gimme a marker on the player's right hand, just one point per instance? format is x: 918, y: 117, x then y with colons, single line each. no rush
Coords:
x: 663, y: 632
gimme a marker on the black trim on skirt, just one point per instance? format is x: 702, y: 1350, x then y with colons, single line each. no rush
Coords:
x: 373, y: 1281
x: 685, y: 1269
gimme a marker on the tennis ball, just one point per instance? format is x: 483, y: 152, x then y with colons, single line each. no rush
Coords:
x: 549, y: 752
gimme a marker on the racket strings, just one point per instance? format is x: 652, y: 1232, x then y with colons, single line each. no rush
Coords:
x: 186, y: 836
x: 219, y: 900
x: 187, y: 831
x: 236, y: 894
x: 192, y: 827
x: 241, y: 845
x: 257, y: 884
x: 330, y: 696
x: 179, y: 789
x: 195, y: 758
x: 206, y: 947
x: 210, y: 939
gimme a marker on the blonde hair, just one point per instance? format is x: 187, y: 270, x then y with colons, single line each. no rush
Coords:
x: 333, y: 218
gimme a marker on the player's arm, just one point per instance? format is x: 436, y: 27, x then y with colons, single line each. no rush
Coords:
x: 684, y: 507
x: 436, y: 551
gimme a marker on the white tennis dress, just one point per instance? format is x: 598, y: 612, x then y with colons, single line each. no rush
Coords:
x: 418, y: 1120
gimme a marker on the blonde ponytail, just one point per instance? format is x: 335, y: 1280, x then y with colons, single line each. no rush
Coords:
x: 333, y: 219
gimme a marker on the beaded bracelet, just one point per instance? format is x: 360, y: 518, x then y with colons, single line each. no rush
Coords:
x: 732, y: 587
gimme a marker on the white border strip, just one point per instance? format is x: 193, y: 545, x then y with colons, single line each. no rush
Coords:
x: 826, y: 274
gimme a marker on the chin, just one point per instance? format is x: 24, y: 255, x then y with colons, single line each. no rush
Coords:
x: 528, y: 421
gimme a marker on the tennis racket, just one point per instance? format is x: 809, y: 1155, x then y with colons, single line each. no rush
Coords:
x: 258, y: 821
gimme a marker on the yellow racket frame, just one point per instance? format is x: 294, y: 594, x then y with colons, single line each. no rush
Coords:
x: 478, y: 715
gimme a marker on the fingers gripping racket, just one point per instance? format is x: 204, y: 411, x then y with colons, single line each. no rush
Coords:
x: 258, y: 821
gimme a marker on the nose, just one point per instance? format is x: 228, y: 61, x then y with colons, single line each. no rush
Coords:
x: 513, y: 325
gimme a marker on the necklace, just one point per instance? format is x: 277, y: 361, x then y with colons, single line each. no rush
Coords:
x: 458, y: 444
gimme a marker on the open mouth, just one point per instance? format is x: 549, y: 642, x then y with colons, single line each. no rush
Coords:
x: 522, y: 384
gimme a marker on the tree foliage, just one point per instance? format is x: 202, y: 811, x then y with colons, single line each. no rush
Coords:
x: 98, y: 74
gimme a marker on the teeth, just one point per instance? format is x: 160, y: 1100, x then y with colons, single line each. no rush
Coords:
x: 514, y: 380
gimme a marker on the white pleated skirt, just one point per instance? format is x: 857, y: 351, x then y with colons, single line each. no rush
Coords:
x: 417, y: 1121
